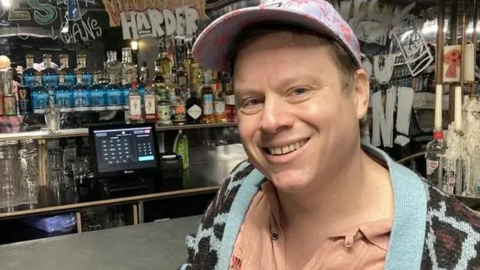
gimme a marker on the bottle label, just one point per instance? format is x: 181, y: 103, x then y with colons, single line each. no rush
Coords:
x: 135, y: 107
x: 10, y: 106
x: 64, y: 100
x: 87, y: 79
x: 230, y: 100
x: 70, y: 79
x: 114, y: 99
x: 207, y: 104
x: 432, y: 165
x: 29, y: 81
x: 150, y: 101
x: 50, y: 81
x: 219, y: 107
x: 195, y: 111
x: 97, y: 99
x: 448, y: 184
x: 164, y: 113
x: 82, y: 100
x: 182, y: 80
x: 24, y: 101
x: 179, y: 112
x: 39, y: 100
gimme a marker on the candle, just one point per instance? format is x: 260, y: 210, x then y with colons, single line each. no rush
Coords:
x: 458, y: 109
x: 438, y: 107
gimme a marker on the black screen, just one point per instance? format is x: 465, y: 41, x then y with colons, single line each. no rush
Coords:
x: 126, y: 149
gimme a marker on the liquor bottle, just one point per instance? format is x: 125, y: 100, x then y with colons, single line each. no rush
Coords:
x: 149, y: 99
x: 194, y: 108
x: 39, y: 95
x: 207, y: 100
x: 134, y: 104
x: 230, y: 107
x: 164, y: 110
x: 87, y: 76
x: 52, y: 115
x: 144, y: 73
x: 126, y: 88
x: 49, y: 75
x: 97, y: 94
x: 166, y: 64
x: 68, y: 73
x: 29, y: 74
x: 113, y: 90
x: 193, y: 70
x: 9, y: 101
x: 178, y: 106
x: 24, y: 100
x: 181, y: 75
x: 63, y: 94
x: 80, y: 94
x: 433, y: 157
x: 219, y: 106
x: 129, y: 74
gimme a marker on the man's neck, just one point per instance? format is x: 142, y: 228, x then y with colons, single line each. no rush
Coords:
x: 358, y: 193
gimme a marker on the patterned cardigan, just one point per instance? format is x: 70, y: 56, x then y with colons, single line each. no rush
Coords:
x: 431, y: 230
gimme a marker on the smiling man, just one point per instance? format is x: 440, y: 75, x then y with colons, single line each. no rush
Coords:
x: 311, y: 196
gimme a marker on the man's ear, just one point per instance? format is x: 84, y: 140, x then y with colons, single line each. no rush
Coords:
x: 361, y: 92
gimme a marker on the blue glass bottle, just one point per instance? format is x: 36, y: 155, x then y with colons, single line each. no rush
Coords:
x: 114, y: 94
x: 29, y: 74
x: 63, y: 94
x: 81, y: 99
x: 97, y: 94
x: 69, y: 74
x: 39, y: 95
x: 49, y: 75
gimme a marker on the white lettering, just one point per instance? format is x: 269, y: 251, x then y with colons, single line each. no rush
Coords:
x: 191, y: 21
x: 156, y: 19
x: 179, y: 12
x: 170, y: 22
x: 129, y: 27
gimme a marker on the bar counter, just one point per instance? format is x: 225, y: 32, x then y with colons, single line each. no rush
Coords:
x: 155, y: 246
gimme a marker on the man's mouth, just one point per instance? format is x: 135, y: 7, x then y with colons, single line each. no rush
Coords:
x: 286, y: 149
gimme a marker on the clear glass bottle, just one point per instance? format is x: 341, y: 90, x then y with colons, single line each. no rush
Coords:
x: 433, y: 155
x: 207, y: 101
x: 193, y: 70
x: 113, y: 68
x: 63, y: 94
x: 49, y: 75
x: 52, y: 115
x: 144, y: 73
x: 80, y: 94
x: 135, y: 105
x: 150, y: 103
x: 29, y: 74
x: 39, y: 96
x: 182, y: 76
x: 69, y: 158
x: 69, y: 74
x: 97, y: 94
x: 87, y: 76
x: 194, y: 108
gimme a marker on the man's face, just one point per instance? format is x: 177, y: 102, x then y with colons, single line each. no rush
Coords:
x: 296, y: 124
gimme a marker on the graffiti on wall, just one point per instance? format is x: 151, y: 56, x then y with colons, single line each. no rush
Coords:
x: 371, y: 20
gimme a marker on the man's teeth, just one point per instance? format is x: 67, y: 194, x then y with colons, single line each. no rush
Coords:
x: 286, y: 149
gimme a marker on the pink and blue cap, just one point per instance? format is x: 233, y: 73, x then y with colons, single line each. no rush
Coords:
x: 213, y: 47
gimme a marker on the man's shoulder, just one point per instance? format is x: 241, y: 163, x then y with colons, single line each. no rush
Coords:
x: 452, y: 233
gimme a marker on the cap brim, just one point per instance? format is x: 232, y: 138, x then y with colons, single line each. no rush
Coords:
x: 214, y: 45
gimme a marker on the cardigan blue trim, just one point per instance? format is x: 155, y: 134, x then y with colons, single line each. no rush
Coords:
x: 408, y: 230
x: 407, y: 237
x: 238, y: 210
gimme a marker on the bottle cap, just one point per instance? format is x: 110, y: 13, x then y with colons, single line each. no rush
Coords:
x: 438, y: 135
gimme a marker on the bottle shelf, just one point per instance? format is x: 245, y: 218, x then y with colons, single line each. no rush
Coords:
x: 82, y: 132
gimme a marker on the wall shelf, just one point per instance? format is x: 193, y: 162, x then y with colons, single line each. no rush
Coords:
x: 82, y: 132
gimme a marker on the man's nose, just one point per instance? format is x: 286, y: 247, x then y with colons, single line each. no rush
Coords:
x: 276, y: 115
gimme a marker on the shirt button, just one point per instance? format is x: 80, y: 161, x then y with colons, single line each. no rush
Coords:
x: 275, y: 236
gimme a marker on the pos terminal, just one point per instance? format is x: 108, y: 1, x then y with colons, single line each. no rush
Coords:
x: 126, y: 159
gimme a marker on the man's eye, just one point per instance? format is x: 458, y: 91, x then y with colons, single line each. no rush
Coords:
x: 252, y: 102
x: 299, y: 91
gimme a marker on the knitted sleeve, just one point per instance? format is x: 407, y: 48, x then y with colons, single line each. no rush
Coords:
x: 204, y: 246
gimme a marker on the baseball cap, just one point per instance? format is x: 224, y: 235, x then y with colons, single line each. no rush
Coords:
x: 214, y: 45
